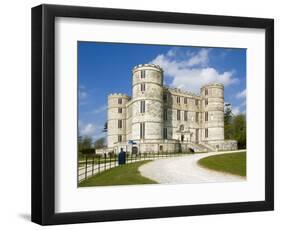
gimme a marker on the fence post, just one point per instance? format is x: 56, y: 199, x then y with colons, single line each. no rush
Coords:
x: 86, y: 165
x: 99, y: 164
x: 93, y: 164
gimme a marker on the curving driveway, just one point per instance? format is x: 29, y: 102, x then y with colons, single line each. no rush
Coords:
x: 185, y: 169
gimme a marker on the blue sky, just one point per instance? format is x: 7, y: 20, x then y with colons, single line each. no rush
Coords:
x: 105, y: 68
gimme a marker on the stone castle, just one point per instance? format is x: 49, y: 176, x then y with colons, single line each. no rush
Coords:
x: 160, y: 119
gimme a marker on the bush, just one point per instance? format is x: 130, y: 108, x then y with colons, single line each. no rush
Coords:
x: 111, y: 154
x: 88, y: 151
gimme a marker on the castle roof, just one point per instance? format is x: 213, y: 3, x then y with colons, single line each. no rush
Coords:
x: 148, y: 65
x: 119, y: 95
x: 180, y: 91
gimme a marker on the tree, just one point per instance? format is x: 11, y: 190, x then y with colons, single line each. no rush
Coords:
x: 105, y: 127
x: 228, y: 117
x: 99, y: 143
x: 227, y: 114
x: 235, y: 127
x: 239, y: 126
x: 85, y: 142
x: 80, y: 139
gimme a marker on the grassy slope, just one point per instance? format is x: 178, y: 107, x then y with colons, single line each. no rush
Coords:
x: 234, y: 163
x: 122, y: 175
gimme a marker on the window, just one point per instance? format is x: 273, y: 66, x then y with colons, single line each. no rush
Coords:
x: 119, y: 101
x: 178, y: 100
x: 178, y: 115
x: 119, y: 138
x: 181, y: 127
x: 197, y: 117
x: 206, y: 116
x: 206, y: 133
x: 142, y: 87
x: 185, y: 100
x: 119, y: 124
x: 165, y: 133
x: 182, y: 137
x: 142, y: 130
x: 196, y: 102
x: 206, y: 91
x: 206, y: 101
x: 142, y: 73
x: 165, y: 115
x: 165, y: 97
x: 142, y: 107
x: 185, y: 115
x: 119, y: 110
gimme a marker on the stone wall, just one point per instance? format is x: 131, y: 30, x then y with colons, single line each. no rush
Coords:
x: 152, y: 97
x: 187, y: 117
x: 113, y: 116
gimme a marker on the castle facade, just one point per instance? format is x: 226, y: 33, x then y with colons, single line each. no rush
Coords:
x: 160, y: 119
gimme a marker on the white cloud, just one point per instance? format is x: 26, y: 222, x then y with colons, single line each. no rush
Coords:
x: 99, y: 110
x: 192, y: 71
x: 87, y: 129
x: 95, y: 131
x: 241, y: 94
x: 201, y: 58
x: 242, y: 107
x: 171, y: 53
x: 236, y: 110
x: 82, y: 92
x: 82, y: 95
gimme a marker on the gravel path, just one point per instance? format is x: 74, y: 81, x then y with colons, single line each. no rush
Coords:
x: 185, y: 169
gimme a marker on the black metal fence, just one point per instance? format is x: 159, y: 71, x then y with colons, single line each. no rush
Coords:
x: 90, y: 165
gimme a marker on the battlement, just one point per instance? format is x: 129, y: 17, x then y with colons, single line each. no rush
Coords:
x: 148, y: 65
x: 215, y: 84
x: 180, y: 91
x: 123, y: 95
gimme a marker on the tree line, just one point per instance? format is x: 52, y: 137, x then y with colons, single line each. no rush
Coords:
x: 86, y: 145
x: 235, y: 127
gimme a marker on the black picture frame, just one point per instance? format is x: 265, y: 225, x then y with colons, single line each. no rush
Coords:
x: 43, y: 114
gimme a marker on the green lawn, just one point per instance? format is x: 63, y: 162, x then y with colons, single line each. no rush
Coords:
x: 122, y: 175
x: 234, y: 163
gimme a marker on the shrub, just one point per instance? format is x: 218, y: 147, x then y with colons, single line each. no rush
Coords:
x: 88, y: 151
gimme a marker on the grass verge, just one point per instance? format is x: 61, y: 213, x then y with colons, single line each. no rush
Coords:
x: 234, y: 163
x: 122, y: 175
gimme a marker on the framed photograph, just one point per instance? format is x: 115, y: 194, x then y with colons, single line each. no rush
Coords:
x: 143, y: 114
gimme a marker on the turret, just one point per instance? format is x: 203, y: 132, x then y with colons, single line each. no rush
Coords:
x: 116, y: 118
x: 147, y: 102
x: 213, y: 112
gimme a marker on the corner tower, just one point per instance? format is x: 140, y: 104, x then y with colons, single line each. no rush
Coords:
x: 147, y: 103
x: 116, y: 118
x: 213, y: 112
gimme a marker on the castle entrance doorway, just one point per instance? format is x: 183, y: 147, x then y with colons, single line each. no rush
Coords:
x: 134, y: 150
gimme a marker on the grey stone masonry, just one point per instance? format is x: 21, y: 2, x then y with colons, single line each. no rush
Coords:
x: 161, y: 119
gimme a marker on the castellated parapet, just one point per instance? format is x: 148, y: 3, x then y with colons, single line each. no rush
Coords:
x: 162, y: 119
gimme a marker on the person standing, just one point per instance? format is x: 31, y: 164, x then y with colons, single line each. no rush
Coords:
x: 122, y: 157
